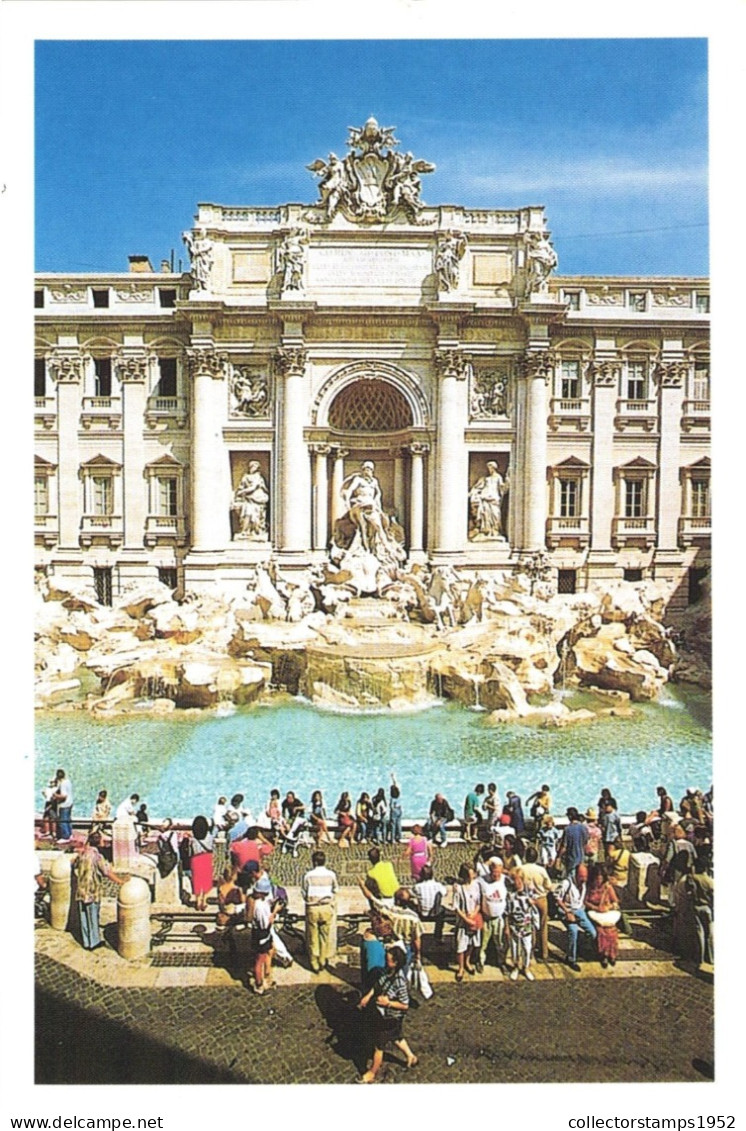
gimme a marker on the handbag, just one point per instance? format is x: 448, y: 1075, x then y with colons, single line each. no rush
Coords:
x: 423, y: 984
x: 475, y: 922
x: 605, y: 918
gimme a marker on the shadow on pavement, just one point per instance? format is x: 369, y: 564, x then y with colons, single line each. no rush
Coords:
x: 351, y: 1033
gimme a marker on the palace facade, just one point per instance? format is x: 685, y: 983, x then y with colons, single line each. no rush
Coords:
x: 192, y: 425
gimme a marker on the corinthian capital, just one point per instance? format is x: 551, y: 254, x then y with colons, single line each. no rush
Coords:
x: 451, y: 363
x: 671, y: 374
x: 605, y: 372
x: 205, y: 361
x: 538, y: 363
x: 291, y: 361
x: 419, y: 448
x: 65, y: 367
x: 131, y: 367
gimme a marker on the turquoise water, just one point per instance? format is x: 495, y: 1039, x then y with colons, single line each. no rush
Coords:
x: 180, y: 765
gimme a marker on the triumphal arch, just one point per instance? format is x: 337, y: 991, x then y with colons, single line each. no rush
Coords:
x: 368, y: 381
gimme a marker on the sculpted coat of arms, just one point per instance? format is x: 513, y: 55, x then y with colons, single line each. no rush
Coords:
x: 373, y: 182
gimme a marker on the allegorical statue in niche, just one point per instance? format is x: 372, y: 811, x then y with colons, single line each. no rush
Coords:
x: 250, y: 504
x: 200, y: 253
x: 485, y: 505
x: 374, y: 531
x: 292, y: 259
x: 542, y: 260
x: 448, y: 254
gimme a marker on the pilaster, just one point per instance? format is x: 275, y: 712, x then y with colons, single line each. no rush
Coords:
x: 604, y: 372
x: 531, y: 478
x: 65, y: 366
x: 131, y: 367
x: 670, y: 373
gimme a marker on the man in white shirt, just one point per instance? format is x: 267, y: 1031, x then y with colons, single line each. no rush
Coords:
x: 570, y: 896
x: 429, y: 894
x: 494, y: 894
x: 63, y: 799
x: 127, y: 809
x: 537, y: 882
x: 319, y: 890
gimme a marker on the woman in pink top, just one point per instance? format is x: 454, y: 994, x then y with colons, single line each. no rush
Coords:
x: 418, y: 851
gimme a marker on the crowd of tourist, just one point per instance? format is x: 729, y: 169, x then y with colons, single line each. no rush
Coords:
x: 524, y: 872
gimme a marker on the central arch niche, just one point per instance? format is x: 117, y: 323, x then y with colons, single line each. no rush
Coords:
x: 372, y: 405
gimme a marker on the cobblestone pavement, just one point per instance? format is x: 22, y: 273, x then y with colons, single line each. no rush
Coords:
x: 185, y: 1015
x: 556, y: 1029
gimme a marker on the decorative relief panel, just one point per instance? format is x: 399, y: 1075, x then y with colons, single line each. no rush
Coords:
x: 490, y: 392
x: 249, y: 394
x: 133, y: 293
x: 69, y: 292
x: 604, y: 297
x: 666, y: 298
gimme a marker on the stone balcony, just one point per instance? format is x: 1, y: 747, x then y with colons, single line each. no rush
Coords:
x: 574, y: 414
x: 108, y: 528
x: 695, y: 531
x: 165, y: 528
x: 45, y: 413
x: 634, y: 531
x: 695, y: 415
x: 160, y: 412
x: 564, y: 531
x: 46, y: 530
x: 636, y: 414
x: 101, y: 412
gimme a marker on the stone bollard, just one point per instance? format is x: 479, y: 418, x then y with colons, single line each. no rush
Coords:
x: 60, y: 890
x: 644, y: 883
x: 123, y: 844
x: 133, y: 919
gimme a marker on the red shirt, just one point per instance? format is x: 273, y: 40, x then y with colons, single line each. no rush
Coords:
x: 242, y: 851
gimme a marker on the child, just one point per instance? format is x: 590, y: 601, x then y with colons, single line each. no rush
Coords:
x: 548, y: 840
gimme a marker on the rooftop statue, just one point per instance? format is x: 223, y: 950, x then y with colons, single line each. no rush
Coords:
x: 541, y: 261
x: 373, y: 182
x: 200, y: 251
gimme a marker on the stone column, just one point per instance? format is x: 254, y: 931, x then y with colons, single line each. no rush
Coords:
x: 670, y: 375
x: 210, y: 502
x: 399, y: 488
x: 131, y: 366
x: 604, y: 373
x: 293, y: 472
x: 417, y: 496
x: 451, y: 475
x: 338, y: 474
x: 66, y: 367
x: 538, y: 370
x: 320, y: 494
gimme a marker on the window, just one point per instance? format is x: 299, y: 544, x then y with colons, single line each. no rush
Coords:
x: 637, y: 300
x: 567, y: 580
x: 166, y: 386
x: 39, y: 299
x: 569, y: 498
x: 102, y: 494
x: 41, y: 495
x: 701, y: 381
x: 633, y: 575
x: 634, y: 498
x: 572, y: 298
x: 702, y: 303
x: 636, y: 381
x: 102, y: 584
x: 166, y: 496
x: 168, y: 577
x: 40, y: 377
x: 102, y: 380
x: 167, y: 298
x: 700, y: 507
x: 100, y: 297
x: 570, y: 380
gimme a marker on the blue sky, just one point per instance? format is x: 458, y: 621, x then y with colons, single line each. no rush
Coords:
x: 610, y: 135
